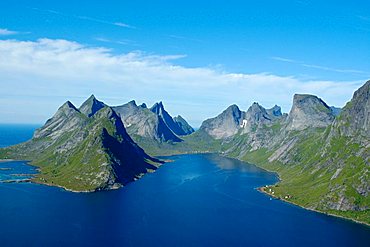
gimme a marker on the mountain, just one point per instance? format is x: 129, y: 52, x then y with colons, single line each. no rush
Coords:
x: 309, y: 111
x: 153, y: 128
x: 84, y: 151
x: 183, y: 125
x: 354, y: 119
x: 322, y: 158
x: 91, y: 106
x: 224, y: 125
x: 179, y: 128
x: 142, y: 122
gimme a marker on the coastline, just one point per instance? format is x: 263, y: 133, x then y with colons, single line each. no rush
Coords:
x: 7, y: 160
x: 71, y: 190
x: 262, y: 190
x: 33, y: 178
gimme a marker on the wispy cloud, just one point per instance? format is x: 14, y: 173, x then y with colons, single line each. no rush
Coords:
x: 6, y: 32
x: 86, y: 18
x: 314, y: 66
x: 59, y: 67
x: 119, y: 42
x: 121, y: 24
x: 282, y: 59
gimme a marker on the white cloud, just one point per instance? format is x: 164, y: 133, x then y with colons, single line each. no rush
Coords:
x: 47, y: 72
x: 4, y: 31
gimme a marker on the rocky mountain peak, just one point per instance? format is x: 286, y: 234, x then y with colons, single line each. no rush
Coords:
x: 224, y: 125
x: 256, y: 114
x: 67, y: 106
x: 157, y: 108
x: 355, y: 116
x: 66, y: 118
x: 132, y: 102
x: 309, y: 111
x: 175, y: 127
x: 91, y: 106
x: 185, y: 127
x: 275, y: 111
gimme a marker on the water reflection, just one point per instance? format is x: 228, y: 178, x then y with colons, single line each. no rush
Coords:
x: 231, y: 164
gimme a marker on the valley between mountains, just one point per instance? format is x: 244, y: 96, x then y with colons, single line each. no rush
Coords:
x: 320, y: 153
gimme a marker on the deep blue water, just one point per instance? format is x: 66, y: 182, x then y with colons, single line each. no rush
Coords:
x: 11, y: 134
x: 197, y: 200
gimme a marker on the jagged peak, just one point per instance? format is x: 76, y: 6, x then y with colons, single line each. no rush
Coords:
x: 157, y: 105
x: 143, y: 105
x: 92, y: 97
x: 158, y: 108
x: 355, y: 116
x: 91, y: 106
x: 68, y: 105
x: 232, y: 108
x: 256, y: 106
x: 132, y: 102
x: 364, y: 89
x: 275, y: 111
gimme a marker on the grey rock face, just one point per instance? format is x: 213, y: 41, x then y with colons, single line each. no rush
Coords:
x: 159, y: 110
x: 224, y: 125
x: 309, y: 111
x: 335, y: 110
x: 233, y: 121
x: 181, y: 122
x: 66, y: 119
x: 145, y: 123
x: 91, y: 106
x: 255, y: 116
x: 355, y: 116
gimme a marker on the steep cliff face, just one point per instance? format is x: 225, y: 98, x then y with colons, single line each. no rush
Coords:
x: 179, y: 127
x: 183, y: 125
x: 309, y: 111
x: 354, y: 119
x: 84, y: 153
x: 91, y: 106
x: 142, y: 122
x: 224, y: 125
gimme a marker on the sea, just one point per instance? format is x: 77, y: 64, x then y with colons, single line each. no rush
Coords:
x: 195, y: 200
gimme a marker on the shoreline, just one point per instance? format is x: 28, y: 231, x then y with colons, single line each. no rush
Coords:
x: 261, y: 190
x: 118, y: 186
x: 33, y: 178
x: 7, y: 160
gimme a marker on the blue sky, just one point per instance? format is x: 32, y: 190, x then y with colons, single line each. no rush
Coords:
x: 197, y: 57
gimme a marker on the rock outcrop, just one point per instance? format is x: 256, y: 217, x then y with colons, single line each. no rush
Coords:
x: 309, y: 111
x: 91, y: 106
x: 224, y: 125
